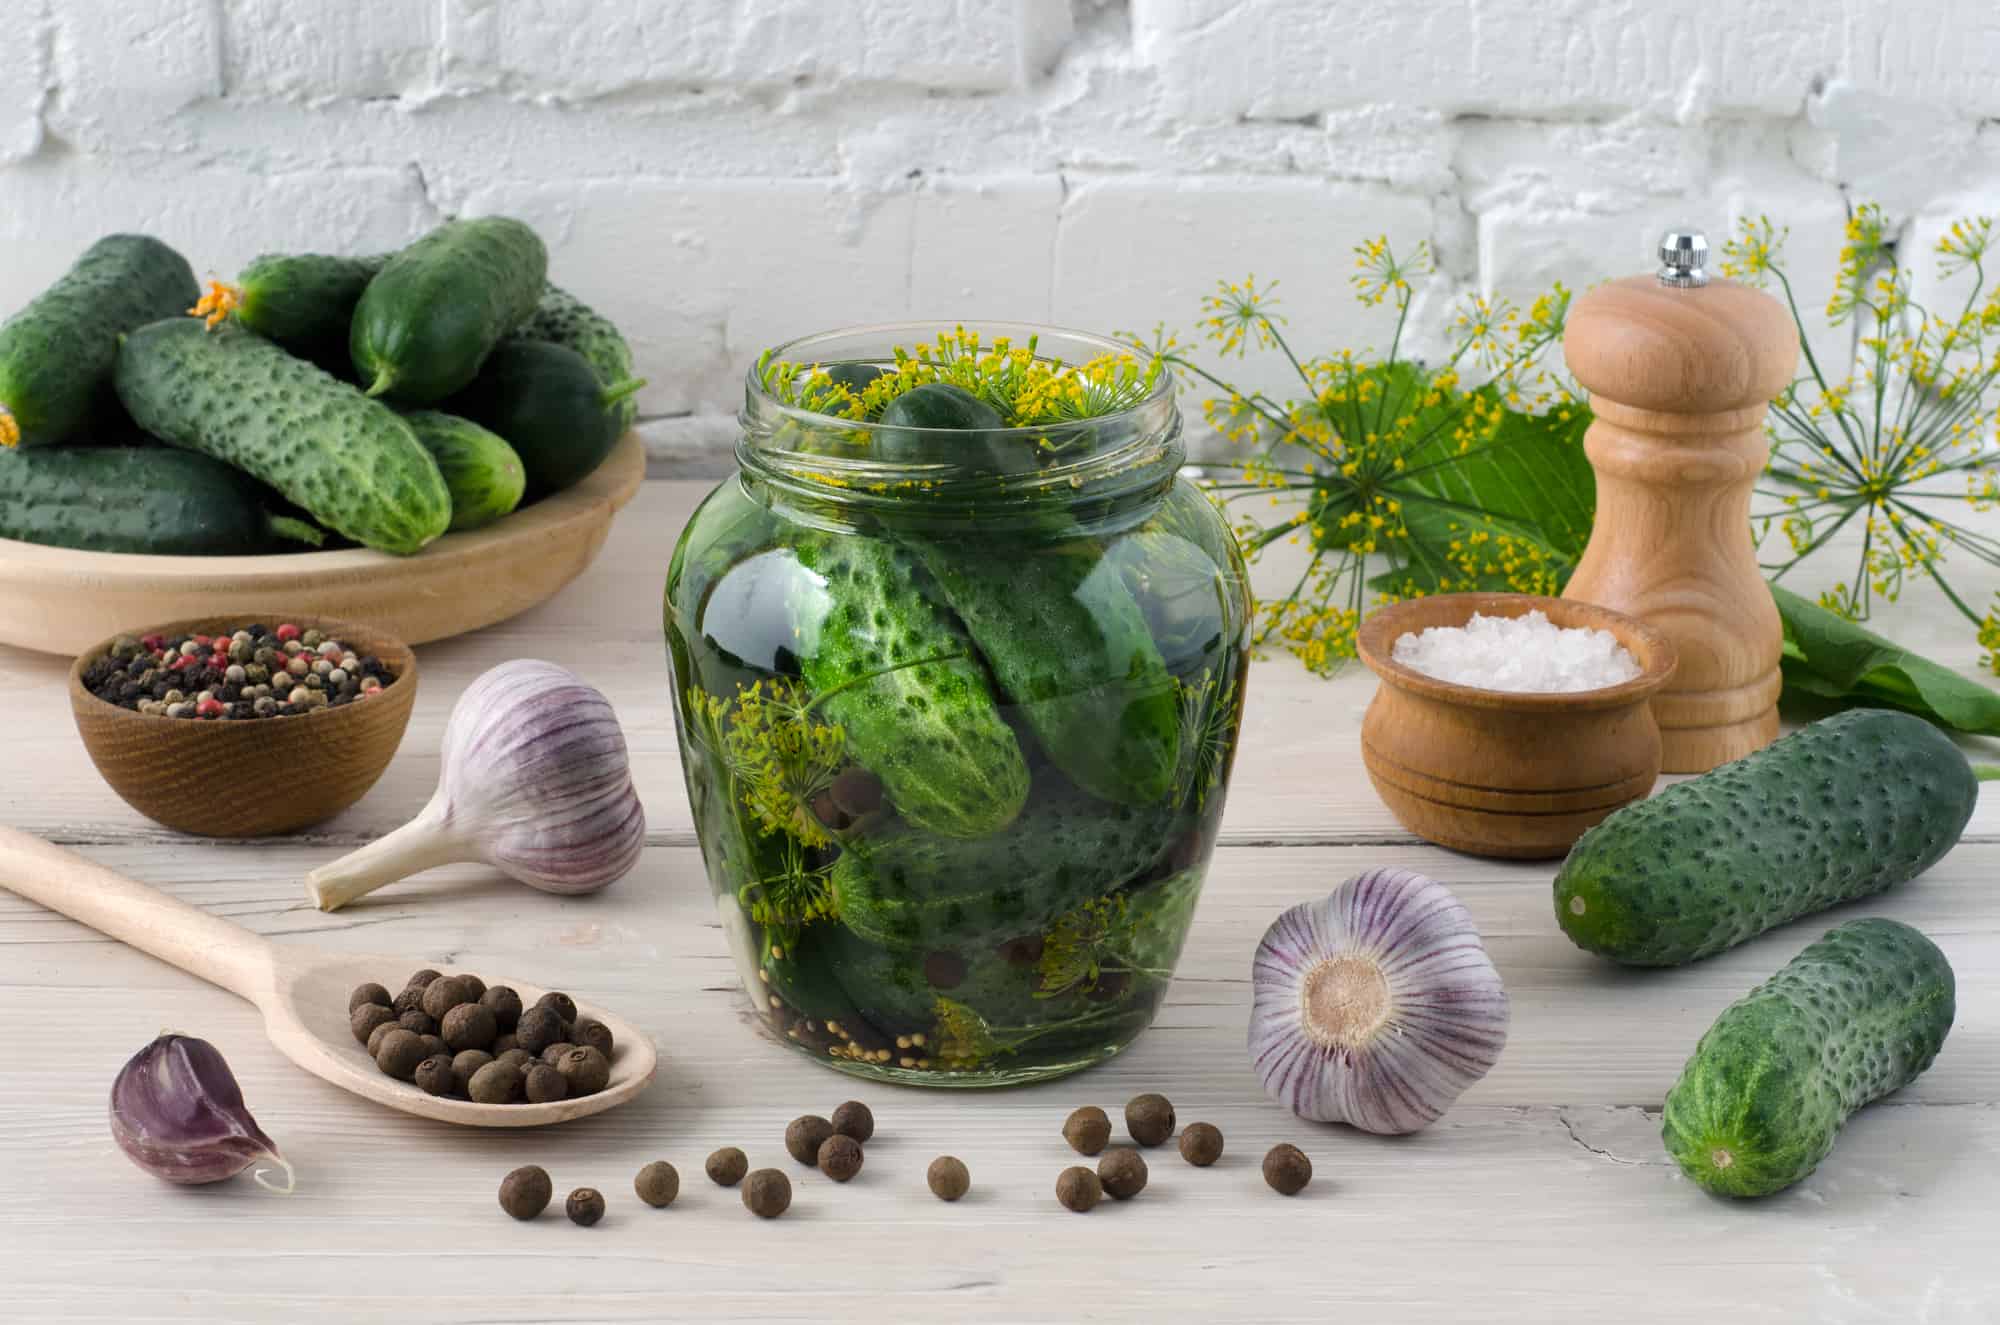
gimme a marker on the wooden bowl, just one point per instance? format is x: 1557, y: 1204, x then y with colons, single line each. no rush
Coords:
x: 1499, y: 773
x: 255, y: 777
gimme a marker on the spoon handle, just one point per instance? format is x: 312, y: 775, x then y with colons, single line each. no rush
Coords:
x: 217, y: 950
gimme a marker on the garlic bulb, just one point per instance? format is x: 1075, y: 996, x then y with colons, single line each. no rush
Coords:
x: 535, y: 782
x: 178, y: 1113
x: 1377, y: 1006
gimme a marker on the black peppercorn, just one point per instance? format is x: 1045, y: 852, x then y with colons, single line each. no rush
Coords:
x: 1150, y: 1119
x: 1201, y: 1144
x: 593, y: 1033
x: 418, y: 1022
x: 496, y: 1083
x: 364, y: 1019
x: 368, y: 993
x: 560, y: 1003
x: 553, y: 1055
x: 399, y: 1053
x: 518, y: 1059
x: 423, y: 977
x: 1087, y: 1130
x: 944, y: 970
x: 434, y: 1045
x: 375, y: 1036
x: 855, y: 1119
x: 805, y: 1135
x: 433, y: 1075
x: 856, y: 791
x: 1287, y: 1169
x: 658, y: 1184
x: 442, y: 995
x: 726, y: 1167
x: 545, y: 1085
x: 1023, y: 951
x: 767, y: 1193
x: 1123, y: 1173
x: 948, y: 1178
x: 525, y: 1192
x: 468, y: 1026
x: 538, y: 1028
x: 464, y: 1064
x: 840, y: 1157
x: 585, y: 1206
x: 1078, y: 1189
x: 504, y: 1004
x: 586, y: 1070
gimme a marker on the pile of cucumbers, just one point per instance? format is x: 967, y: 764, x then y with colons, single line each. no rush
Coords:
x: 379, y: 401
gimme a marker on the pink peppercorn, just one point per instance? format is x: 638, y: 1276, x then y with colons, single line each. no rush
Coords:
x: 153, y: 643
x: 288, y: 631
x: 201, y: 639
x: 210, y: 708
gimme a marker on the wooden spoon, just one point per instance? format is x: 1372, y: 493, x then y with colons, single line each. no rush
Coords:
x: 301, y: 992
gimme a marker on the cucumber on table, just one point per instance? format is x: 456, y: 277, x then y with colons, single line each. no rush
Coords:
x: 348, y: 461
x: 545, y: 399
x: 1844, y: 808
x: 305, y: 301
x: 432, y: 315
x: 481, y: 471
x: 56, y: 355
x: 144, y: 499
x: 560, y: 318
x: 1858, y: 1014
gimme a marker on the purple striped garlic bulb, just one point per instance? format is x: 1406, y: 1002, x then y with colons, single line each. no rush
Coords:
x: 1377, y: 1006
x: 535, y: 782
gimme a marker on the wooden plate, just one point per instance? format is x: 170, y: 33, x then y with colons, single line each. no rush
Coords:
x: 58, y: 600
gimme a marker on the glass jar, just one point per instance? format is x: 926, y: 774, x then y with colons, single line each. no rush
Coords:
x: 957, y: 710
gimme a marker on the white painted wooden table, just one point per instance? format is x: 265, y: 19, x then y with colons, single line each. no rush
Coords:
x: 1543, y: 1197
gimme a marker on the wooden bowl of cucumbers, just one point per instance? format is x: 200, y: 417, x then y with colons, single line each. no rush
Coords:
x: 431, y: 441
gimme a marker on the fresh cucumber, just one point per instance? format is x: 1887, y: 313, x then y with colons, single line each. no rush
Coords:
x: 305, y: 301
x: 481, y: 471
x: 146, y: 499
x: 547, y: 402
x: 560, y: 318
x: 435, y: 311
x: 57, y: 354
x: 1858, y: 1014
x: 1845, y: 808
x: 350, y: 462
x: 888, y: 663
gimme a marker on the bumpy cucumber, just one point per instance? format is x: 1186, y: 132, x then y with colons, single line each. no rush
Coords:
x: 481, y: 471
x: 560, y: 318
x: 546, y: 401
x: 57, y: 354
x: 305, y: 301
x: 888, y: 663
x: 435, y: 311
x: 1067, y: 642
x: 914, y: 889
x: 1858, y: 1014
x: 1845, y: 808
x: 349, y: 461
x: 148, y: 499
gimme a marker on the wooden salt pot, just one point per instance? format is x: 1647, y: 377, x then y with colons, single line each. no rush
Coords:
x: 1680, y: 371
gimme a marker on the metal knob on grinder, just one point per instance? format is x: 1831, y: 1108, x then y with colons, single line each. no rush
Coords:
x: 1683, y: 259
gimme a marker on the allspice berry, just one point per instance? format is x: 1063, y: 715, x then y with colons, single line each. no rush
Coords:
x: 469, y: 1026
x: 411, y: 999
x: 525, y: 1192
x: 658, y: 1184
x: 505, y: 1005
x: 1150, y: 1119
x: 767, y: 1193
x: 1201, y: 1144
x: 1087, y: 1130
x: 1287, y: 1169
x: 586, y: 1070
x: 502, y: 1042
x: 585, y: 1206
x: 434, y: 1045
x: 561, y: 1004
x: 1078, y: 1189
x: 399, y: 1053
x: 1123, y: 1173
x: 806, y: 1134
x: 444, y: 994
x: 948, y: 1178
x: 473, y: 988
x: 433, y: 1075
x: 364, y: 1019
x: 463, y: 1065
x: 366, y: 994
x: 518, y: 1059
x: 544, y: 1085
x: 418, y: 1022
x: 554, y: 1053
x: 375, y: 1036
x: 423, y: 977
x: 727, y: 1166
x: 538, y: 1028
x: 496, y: 1083
x: 855, y: 1119
x: 594, y: 1034
x: 840, y: 1157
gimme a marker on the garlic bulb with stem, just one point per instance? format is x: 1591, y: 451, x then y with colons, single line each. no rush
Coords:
x: 535, y: 782
x: 1377, y: 1006
x: 178, y: 1113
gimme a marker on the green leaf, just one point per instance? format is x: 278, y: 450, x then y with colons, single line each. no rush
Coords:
x: 1830, y: 658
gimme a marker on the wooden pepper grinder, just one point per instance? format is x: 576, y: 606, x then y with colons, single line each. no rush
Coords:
x: 1680, y: 371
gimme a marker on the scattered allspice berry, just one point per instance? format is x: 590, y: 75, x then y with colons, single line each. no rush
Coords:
x: 727, y: 1166
x: 806, y: 1134
x: 767, y: 1193
x: 1087, y: 1130
x: 368, y: 993
x: 658, y: 1184
x: 855, y: 1119
x: 585, y: 1206
x: 1287, y: 1169
x: 840, y: 1157
x: 1201, y: 1144
x: 1123, y: 1173
x: 948, y: 1178
x: 586, y: 1070
x: 1150, y: 1119
x: 544, y: 1085
x: 525, y: 1192
x: 1078, y: 1189
x: 433, y: 1075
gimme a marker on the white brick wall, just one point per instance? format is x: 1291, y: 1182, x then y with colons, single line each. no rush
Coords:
x: 721, y: 174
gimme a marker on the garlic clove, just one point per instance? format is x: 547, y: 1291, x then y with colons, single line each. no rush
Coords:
x: 1376, y: 1006
x: 178, y: 1113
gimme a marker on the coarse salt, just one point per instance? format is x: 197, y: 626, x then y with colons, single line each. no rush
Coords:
x: 1524, y: 654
